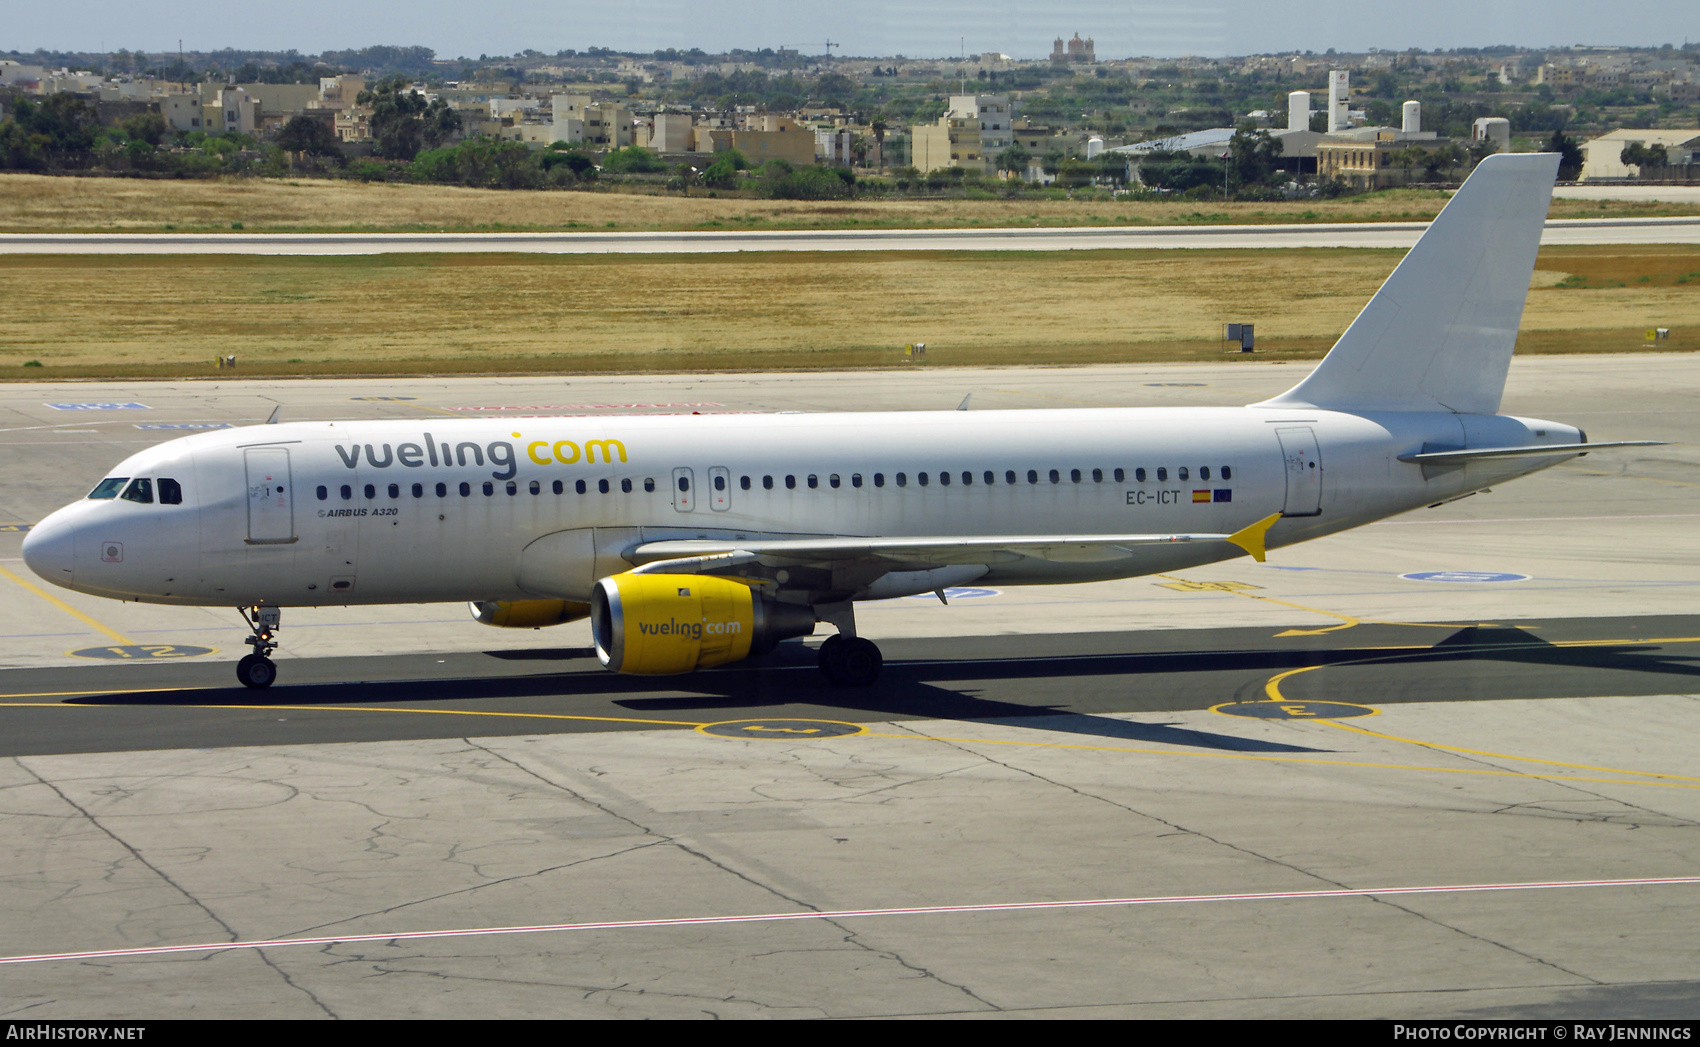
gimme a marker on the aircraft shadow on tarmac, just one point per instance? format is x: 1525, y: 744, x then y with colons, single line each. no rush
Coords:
x: 783, y: 683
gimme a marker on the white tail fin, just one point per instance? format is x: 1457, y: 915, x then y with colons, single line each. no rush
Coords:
x: 1438, y: 335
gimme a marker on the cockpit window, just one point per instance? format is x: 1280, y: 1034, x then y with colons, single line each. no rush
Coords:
x: 140, y: 490
x: 170, y: 491
x: 109, y: 487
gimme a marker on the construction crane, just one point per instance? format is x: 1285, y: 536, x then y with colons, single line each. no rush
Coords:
x: 829, y: 46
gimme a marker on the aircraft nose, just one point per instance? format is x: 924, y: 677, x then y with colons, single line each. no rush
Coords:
x: 48, y: 550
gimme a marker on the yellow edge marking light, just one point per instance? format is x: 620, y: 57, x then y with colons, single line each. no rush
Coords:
x: 67, y: 608
x: 1251, y: 538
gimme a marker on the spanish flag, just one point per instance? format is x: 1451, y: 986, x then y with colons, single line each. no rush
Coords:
x: 1200, y: 496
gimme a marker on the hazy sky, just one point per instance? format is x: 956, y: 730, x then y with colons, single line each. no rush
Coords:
x: 930, y: 28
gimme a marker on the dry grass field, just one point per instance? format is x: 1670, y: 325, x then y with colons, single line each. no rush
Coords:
x: 40, y: 203
x: 142, y: 316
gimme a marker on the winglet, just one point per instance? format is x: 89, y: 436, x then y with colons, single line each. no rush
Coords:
x: 1251, y: 538
x: 279, y: 410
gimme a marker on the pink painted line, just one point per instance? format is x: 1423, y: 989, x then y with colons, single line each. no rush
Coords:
x: 844, y: 914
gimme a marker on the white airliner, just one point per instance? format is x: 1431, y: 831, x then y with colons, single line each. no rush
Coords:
x: 696, y: 541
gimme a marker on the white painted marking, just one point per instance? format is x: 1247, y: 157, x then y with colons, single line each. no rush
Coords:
x: 850, y: 914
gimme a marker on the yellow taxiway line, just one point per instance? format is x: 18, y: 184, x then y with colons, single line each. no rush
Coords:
x: 67, y: 608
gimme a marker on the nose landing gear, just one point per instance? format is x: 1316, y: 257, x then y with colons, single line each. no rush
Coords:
x: 257, y: 670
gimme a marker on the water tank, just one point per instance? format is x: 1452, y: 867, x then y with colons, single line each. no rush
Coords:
x: 1094, y: 146
x: 1298, y: 111
x: 1413, y: 117
x: 1495, y: 129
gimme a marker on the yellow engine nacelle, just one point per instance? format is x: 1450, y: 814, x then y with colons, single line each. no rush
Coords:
x: 657, y: 624
x: 527, y: 614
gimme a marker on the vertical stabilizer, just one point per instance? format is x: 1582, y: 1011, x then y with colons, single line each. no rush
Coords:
x: 1438, y: 335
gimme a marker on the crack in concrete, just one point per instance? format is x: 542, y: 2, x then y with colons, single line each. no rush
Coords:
x: 1319, y: 877
x: 166, y: 878
x: 850, y: 936
x: 399, y: 906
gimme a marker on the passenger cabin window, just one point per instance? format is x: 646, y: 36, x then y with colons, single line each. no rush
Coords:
x: 921, y: 478
x: 1009, y: 476
x: 395, y: 490
x: 1139, y: 474
x: 323, y: 492
x: 442, y: 490
x: 1056, y: 477
x: 418, y: 490
x: 465, y: 489
x: 1162, y: 472
x: 1032, y: 476
x: 767, y: 483
x: 855, y: 479
x: 814, y: 481
x: 626, y: 486
x: 744, y: 482
x: 579, y: 486
x: 719, y: 483
x: 1181, y: 473
x: 347, y: 492
x: 1120, y: 476
x: 879, y: 479
x: 559, y: 488
x: 790, y: 483
x: 140, y: 490
x: 990, y: 478
x: 536, y: 488
x: 109, y: 487
x: 170, y: 491
x: 371, y: 491
x: 1204, y: 472
x: 1097, y: 476
x: 649, y: 484
x: 490, y: 488
x: 602, y: 485
x: 1074, y: 475
x: 903, y: 479
x: 1227, y: 473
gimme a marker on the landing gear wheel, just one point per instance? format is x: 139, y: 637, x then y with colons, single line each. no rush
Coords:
x: 256, y: 671
x: 851, y: 661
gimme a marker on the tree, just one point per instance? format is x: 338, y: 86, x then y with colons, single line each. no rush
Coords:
x: 1641, y: 156
x: 634, y: 159
x: 1015, y: 158
x: 309, y: 137
x: 1570, y: 155
x: 403, y: 122
x: 1253, y: 156
x: 145, y: 127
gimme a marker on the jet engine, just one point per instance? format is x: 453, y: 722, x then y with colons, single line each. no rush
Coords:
x: 656, y: 624
x: 527, y: 614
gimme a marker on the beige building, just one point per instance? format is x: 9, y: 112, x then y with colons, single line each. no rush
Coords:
x: 1601, y: 156
x: 1389, y: 158
x: 970, y: 135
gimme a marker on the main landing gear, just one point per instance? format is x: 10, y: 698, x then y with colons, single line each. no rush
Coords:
x: 850, y: 661
x: 256, y: 669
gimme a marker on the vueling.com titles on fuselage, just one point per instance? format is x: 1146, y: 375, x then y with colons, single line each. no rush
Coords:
x: 500, y: 453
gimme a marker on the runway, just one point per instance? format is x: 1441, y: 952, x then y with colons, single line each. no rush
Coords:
x: 1440, y: 766
x: 1568, y: 231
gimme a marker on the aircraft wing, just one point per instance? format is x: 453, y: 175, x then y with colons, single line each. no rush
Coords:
x: 727, y: 556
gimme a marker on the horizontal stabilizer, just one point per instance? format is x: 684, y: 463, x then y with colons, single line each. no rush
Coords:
x: 1438, y: 334
x: 1472, y: 454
